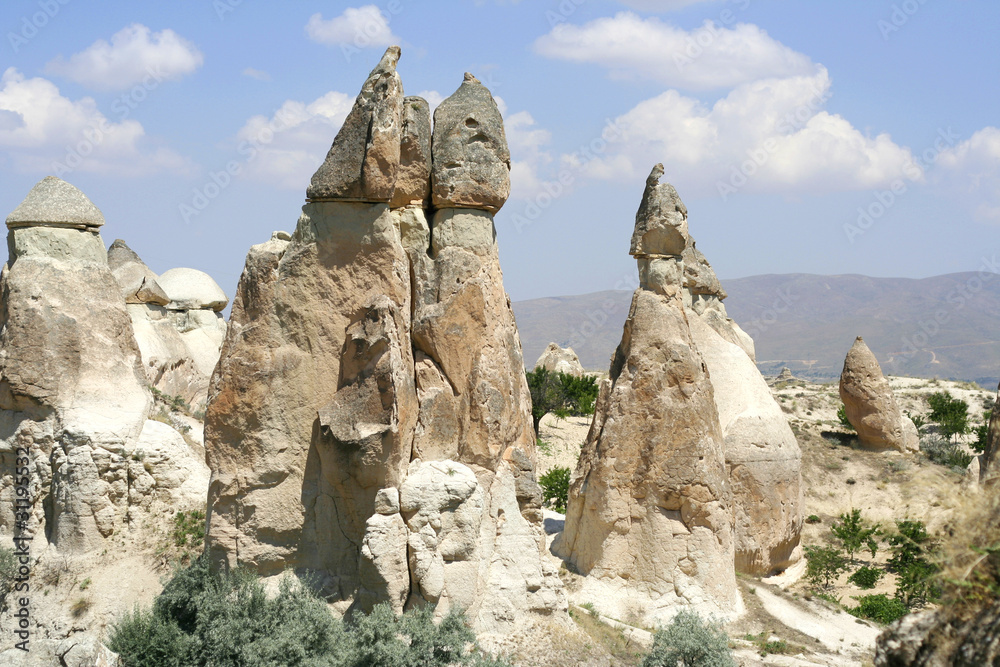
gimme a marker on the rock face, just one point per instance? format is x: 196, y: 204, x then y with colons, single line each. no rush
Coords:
x: 471, y: 160
x: 176, y: 323
x: 370, y: 419
x: 413, y: 181
x: 989, y: 467
x: 936, y: 638
x: 870, y: 405
x: 74, y: 400
x: 556, y: 359
x: 650, y: 518
x: 364, y: 160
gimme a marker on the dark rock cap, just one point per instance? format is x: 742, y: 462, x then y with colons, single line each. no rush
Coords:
x: 413, y: 180
x: 661, y: 221
x: 55, y: 203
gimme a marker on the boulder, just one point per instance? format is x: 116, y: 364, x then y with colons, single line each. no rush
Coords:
x: 870, y: 405
x: 55, y: 203
x: 363, y: 161
x: 556, y: 359
x: 191, y: 289
x: 138, y: 283
x: 471, y: 159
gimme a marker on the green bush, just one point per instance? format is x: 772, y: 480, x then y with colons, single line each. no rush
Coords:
x: 189, y: 528
x: 951, y: 414
x: 580, y: 393
x: 913, y: 555
x: 812, y: 518
x: 866, y: 577
x: 8, y: 570
x: 690, y: 642
x: 946, y: 453
x: 823, y: 564
x: 982, y: 432
x: 555, y: 488
x: 879, y: 608
x: 855, y: 533
x: 844, y: 421
x: 561, y: 394
x: 227, y: 620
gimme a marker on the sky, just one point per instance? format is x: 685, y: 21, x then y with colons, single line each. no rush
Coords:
x: 857, y: 136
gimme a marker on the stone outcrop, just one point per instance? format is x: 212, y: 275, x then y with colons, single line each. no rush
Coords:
x: 74, y: 399
x: 363, y: 162
x: 176, y: 321
x: 870, y: 405
x: 557, y: 359
x: 471, y: 159
x: 989, y: 466
x: 938, y: 638
x: 76, y: 651
x: 369, y: 418
x: 650, y: 518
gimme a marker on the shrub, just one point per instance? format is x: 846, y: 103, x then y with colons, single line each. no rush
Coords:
x: 8, y: 570
x: 951, y: 414
x: 854, y: 533
x: 561, y: 394
x: 823, y: 564
x: 946, y: 453
x: 913, y: 553
x: 189, y: 528
x: 866, y: 577
x: 812, y: 518
x: 844, y: 421
x: 982, y: 432
x: 580, y: 393
x: 879, y: 608
x: 555, y: 488
x: 691, y: 642
x: 918, y: 420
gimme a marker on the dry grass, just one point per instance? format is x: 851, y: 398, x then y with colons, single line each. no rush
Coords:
x: 970, y: 567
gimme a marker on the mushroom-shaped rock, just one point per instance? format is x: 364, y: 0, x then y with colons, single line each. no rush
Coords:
x: 870, y: 405
x: 364, y: 159
x: 661, y: 223
x: 471, y: 160
x: 139, y: 284
x: 413, y: 180
x: 191, y: 289
x: 560, y: 360
x: 55, y: 203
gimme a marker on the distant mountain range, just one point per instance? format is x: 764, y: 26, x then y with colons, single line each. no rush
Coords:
x: 946, y: 326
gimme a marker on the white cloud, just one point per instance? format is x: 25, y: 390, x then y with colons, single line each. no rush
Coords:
x: 707, y: 58
x: 43, y: 131
x: 133, y: 56
x: 528, y: 158
x: 260, y: 75
x: 773, y: 132
x: 359, y: 27
x: 971, y: 171
x: 433, y: 97
x: 663, y: 5
x: 291, y: 145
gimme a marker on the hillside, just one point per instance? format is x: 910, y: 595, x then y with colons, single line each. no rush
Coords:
x: 945, y: 326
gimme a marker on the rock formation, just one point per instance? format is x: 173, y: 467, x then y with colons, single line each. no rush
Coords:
x: 870, y: 405
x: 938, y: 638
x: 176, y: 321
x: 369, y: 418
x: 556, y: 359
x: 650, y: 518
x: 74, y: 399
x: 989, y: 467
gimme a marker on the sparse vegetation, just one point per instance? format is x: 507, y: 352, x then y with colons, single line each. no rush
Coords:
x: 555, y: 488
x: 879, y: 608
x: 824, y: 564
x: 189, y: 528
x: 945, y: 452
x: 8, y: 570
x: 855, y: 533
x: 812, y: 518
x: 690, y: 641
x: 842, y: 417
x: 949, y: 413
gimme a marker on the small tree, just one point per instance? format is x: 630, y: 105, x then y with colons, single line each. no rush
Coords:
x: 546, y: 394
x: 854, y: 533
x: 951, y: 414
x: 982, y: 432
x: 913, y: 551
x: 823, y: 564
x: 690, y: 642
x: 555, y: 488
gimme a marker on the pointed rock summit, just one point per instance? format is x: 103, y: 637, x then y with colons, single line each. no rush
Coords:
x: 870, y: 404
x: 370, y: 418
x: 363, y: 162
x: 138, y: 282
x: 471, y: 159
x: 557, y: 359
x: 55, y: 203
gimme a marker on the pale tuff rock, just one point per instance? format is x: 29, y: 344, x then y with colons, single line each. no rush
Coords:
x: 661, y: 222
x: 139, y: 284
x: 413, y: 180
x: 471, y: 159
x: 55, y: 203
x: 650, y: 516
x: 79, y: 402
x: 369, y: 418
x: 177, y: 327
x: 191, y: 289
x: 556, y: 359
x: 870, y: 405
x: 938, y: 638
x: 77, y: 651
x: 363, y: 162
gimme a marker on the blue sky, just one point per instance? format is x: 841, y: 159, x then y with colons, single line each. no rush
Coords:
x: 835, y: 137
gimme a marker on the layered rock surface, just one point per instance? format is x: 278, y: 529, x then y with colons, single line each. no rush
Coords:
x: 369, y: 418
x: 176, y: 321
x: 870, y: 405
x: 73, y: 394
x: 557, y: 359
